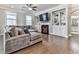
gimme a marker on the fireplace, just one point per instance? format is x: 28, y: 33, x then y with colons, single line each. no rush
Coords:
x: 45, y: 29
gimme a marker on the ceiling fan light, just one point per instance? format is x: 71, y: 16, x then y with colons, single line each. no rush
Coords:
x: 30, y: 8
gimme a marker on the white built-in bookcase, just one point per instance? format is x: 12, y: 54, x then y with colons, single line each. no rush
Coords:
x: 59, y: 21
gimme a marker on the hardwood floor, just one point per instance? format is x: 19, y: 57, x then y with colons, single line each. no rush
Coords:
x: 53, y: 45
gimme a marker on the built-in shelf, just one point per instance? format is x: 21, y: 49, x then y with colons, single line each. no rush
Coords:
x: 59, y: 23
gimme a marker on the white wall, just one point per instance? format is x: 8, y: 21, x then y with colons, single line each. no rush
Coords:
x: 2, y: 25
x: 75, y: 12
x: 21, y: 17
x: 2, y: 21
x: 20, y: 20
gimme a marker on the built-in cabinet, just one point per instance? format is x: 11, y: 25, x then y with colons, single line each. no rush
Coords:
x: 59, y: 17
x: 59, y: 23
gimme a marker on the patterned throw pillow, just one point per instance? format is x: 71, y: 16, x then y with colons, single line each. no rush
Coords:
x: 20, y: 32
x: 12, y: 32
x: 7, y: 35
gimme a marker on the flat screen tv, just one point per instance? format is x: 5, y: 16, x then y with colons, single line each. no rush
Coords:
x: 44, y: 17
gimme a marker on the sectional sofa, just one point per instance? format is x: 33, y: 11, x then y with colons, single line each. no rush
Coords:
x: 15, y: 42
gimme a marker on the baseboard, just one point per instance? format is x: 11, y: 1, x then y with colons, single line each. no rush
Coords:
x: 61, y: 36
x: 58, y: 35
x: 70, y: 35
x: 74, y: 33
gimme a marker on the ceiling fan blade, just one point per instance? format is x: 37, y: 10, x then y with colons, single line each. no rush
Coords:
x: 29, y: 5
x: 34, y: 7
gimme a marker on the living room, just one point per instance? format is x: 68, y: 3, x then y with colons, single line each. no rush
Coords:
x: 39, y: 28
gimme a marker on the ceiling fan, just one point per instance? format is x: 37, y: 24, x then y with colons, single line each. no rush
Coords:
x: 32, y: 7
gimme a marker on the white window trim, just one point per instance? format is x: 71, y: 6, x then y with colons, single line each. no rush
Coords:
x: 28, y: 21
x: 11, y: 14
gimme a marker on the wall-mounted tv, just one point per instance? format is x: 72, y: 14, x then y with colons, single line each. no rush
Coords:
x: 44, y: 17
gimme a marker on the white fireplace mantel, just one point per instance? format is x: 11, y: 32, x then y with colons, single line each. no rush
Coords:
x: 46, y: 23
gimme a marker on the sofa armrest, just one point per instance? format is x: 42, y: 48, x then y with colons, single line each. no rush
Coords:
x: 16, y: 43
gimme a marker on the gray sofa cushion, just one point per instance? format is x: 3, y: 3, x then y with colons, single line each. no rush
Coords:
x: 35, y: 35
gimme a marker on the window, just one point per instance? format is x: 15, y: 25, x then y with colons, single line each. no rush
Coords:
x: 28, y: 20
x: 11, y: 18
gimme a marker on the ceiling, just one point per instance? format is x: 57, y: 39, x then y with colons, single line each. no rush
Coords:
x: 24, y: 8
